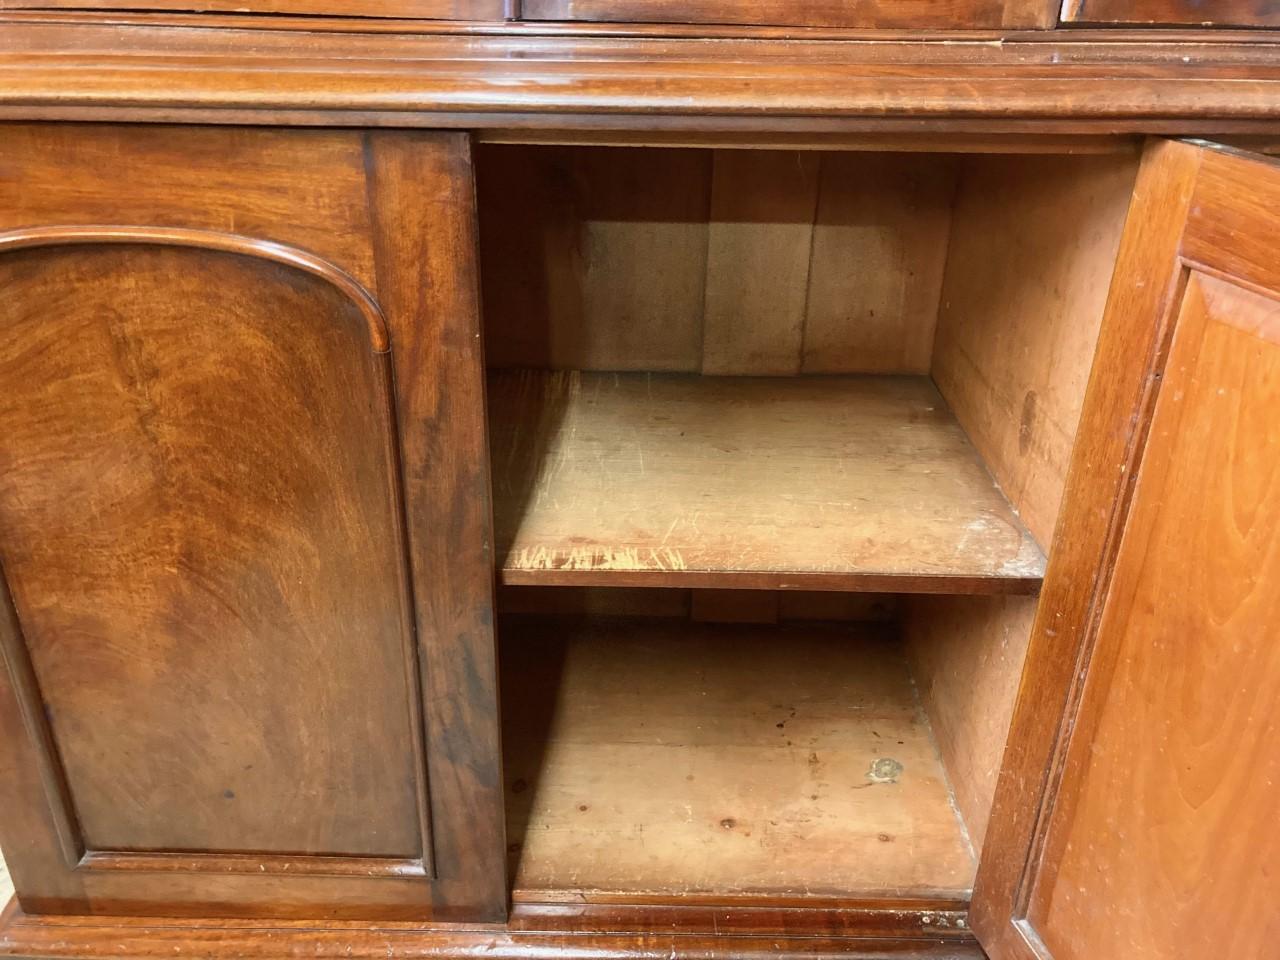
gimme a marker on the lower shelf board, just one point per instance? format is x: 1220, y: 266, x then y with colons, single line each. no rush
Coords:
x: 659, y: 759
x: 820, y: 483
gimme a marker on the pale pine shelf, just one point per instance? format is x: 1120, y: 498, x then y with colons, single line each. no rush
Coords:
x: 816, y: 483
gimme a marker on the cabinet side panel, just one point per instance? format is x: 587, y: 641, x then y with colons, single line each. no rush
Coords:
x: 1103, y: 465
x: 1033, y: 245
x: 966, y: 655
x: 1033, y: 242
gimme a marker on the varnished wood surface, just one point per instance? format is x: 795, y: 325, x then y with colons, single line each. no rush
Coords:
x: 431, y: 9
x: 1095, y: 497
x: 259, y: 72
x: 1201, y: 597
x: 424, y: 228
x: 122, y: 453
x: 725, y: 262
x: 540, y: 936
x: 775, y: 483
x: 1233, y: 13
x: 1178, y: 745
x: 664, y: 758
x: 223, y: 577
x: 945, y: 14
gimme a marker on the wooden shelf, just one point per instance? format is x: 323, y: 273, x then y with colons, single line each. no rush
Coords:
x: 649, y: 759
x: 817, y: 483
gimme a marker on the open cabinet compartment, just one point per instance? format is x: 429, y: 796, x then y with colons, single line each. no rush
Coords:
x: 778, y: 441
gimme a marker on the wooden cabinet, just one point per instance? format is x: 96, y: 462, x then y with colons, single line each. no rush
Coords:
x: 1154, y: 836
x: 682, y: 484
x: 1221, y: 13
x: 952, y: 14
x: 243, y: 512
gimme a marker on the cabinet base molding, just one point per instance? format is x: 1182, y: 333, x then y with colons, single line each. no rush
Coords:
x: 586, y: 931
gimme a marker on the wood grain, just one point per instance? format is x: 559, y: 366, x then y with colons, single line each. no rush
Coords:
x: 967, y: 656
x: 116, y: 459
x: 879, y: 247
x: 665, y: 758
x: 1177, y: 749
x: 598, y: 259
x: 728, y: 262
x: 1031, y: 252
x: 204, y: 490
x: 425, y: 221
x: 593, y: 933
x: 953, y: 14
x: 433, y: 9
x: 1033, y: 245
x: 1233, y: 13
x: 505, y: 77
x: 1099, y: 486
x: 824, y: 483
x: 1172, y: 482
x: 759, y: 243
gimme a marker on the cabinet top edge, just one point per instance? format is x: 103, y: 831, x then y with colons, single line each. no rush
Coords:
x: 293, y: 71
x: 1067, y: 33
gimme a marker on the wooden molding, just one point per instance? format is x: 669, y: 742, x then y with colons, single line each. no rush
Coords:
x: 275, y: 71
x: 901, y: 931
x: 379, y: 339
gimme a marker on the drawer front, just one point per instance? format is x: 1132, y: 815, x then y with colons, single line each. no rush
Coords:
x: 867, y: 14
x: 1175, y: 13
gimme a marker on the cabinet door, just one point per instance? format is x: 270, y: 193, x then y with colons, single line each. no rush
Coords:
x: 948, y: 14
x: 1140, y: 821
x: 1187, y: 13
x: 245, y: 603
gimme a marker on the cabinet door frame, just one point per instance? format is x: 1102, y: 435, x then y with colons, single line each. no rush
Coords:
x: 474, y: 10
x: 1170, y: 13
x: 1182, y: 218
x: 853, y: 14
x: 387, y: 220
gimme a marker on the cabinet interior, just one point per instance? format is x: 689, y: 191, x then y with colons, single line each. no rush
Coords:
x: 778, y: 443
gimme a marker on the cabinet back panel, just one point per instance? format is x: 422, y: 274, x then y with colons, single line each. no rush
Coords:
x: 199, y: 510
x: 724, y: 262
